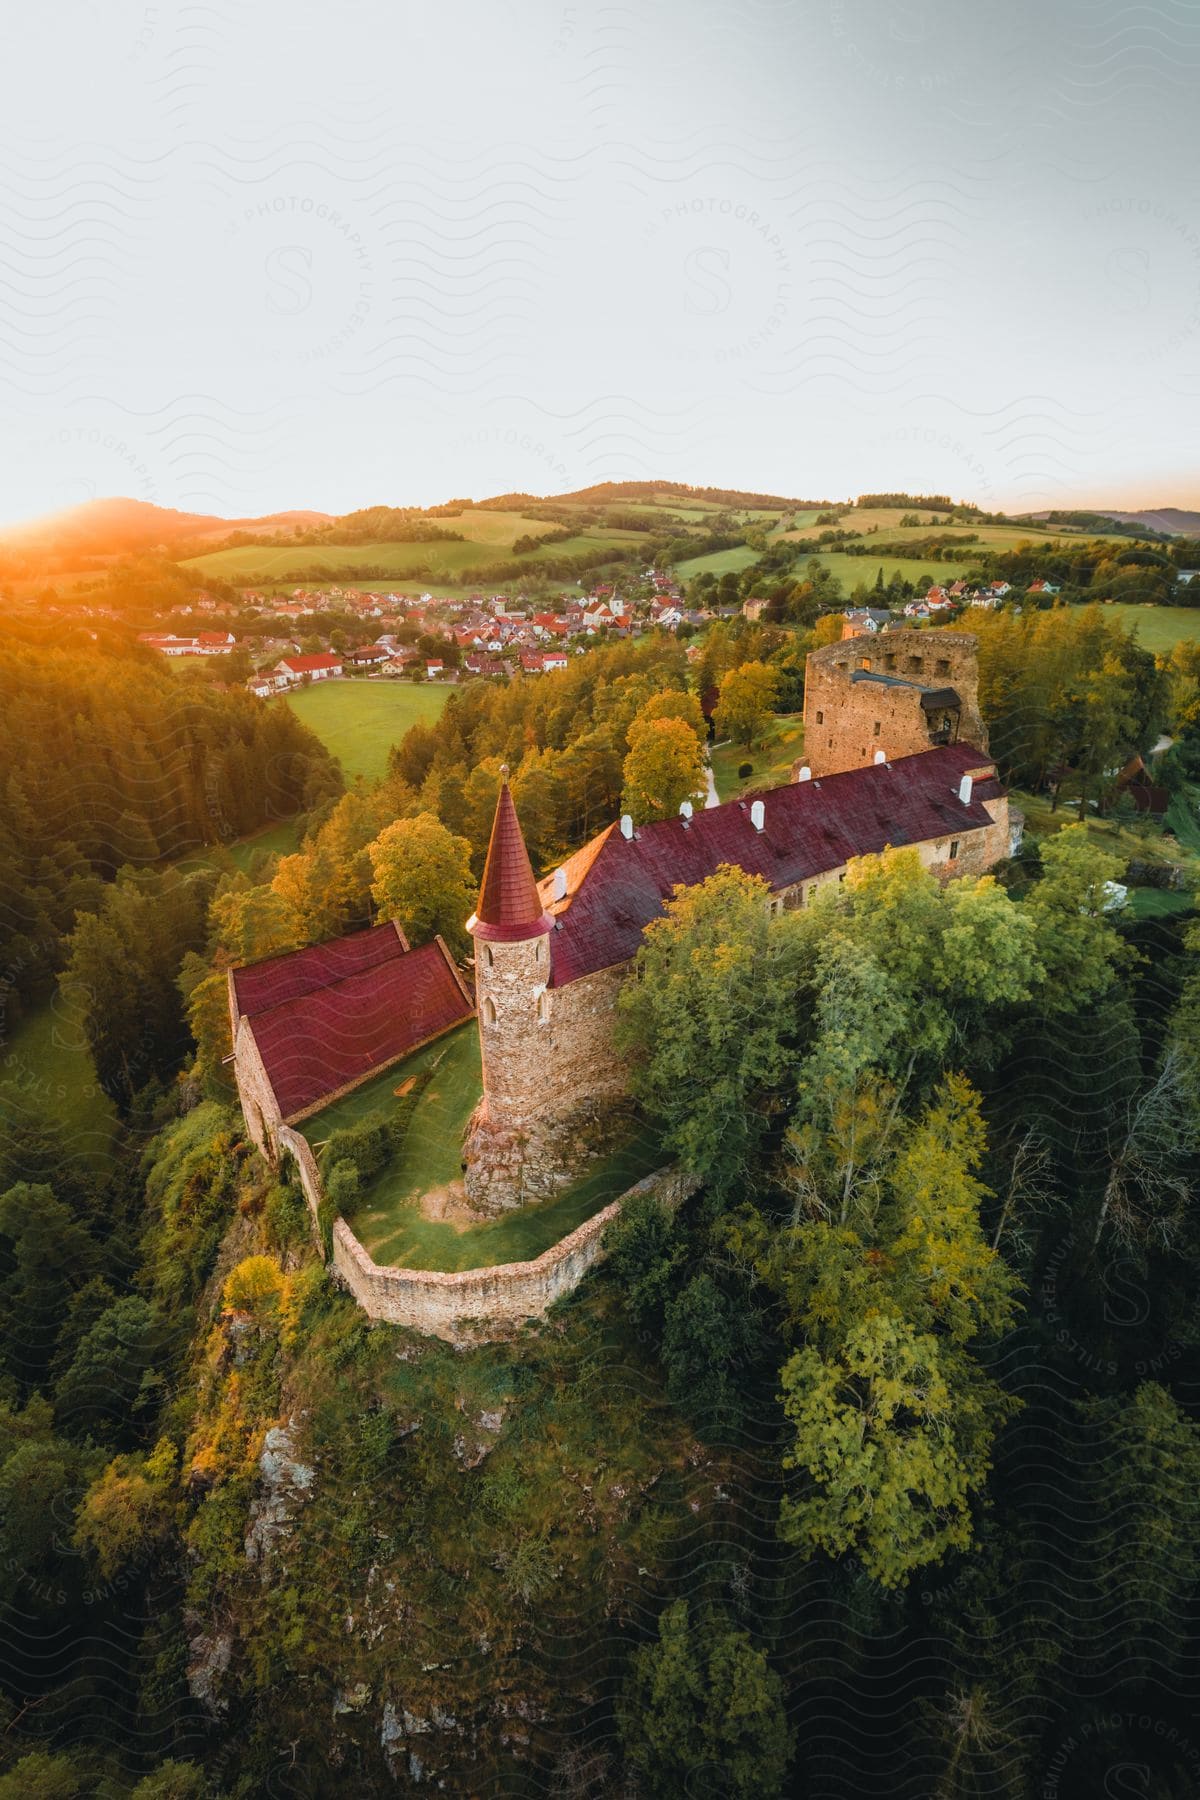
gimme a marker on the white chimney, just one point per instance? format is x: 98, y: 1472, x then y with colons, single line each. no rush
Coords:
x: 758, y: 815
x: 964, y: 790
x: 560, y: 884
x: 626, y: 825
x: 685, y: 812
x: 805, y: 773
x: 881, y: 756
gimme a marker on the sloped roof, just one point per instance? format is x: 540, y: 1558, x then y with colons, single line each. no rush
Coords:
x: 616, y: 885
x: 324, y: 1038
x: 279, y: 978
x: 509, y: 908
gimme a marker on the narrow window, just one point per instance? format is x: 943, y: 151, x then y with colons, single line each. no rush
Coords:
x: 543, y: 1009
x: 820, y: 718
x: 489, y: 1012
x: 864, y: 662
x: 487, y: 951
x: 875, y: 733
x: 953, y: 849
x: 943, y: 666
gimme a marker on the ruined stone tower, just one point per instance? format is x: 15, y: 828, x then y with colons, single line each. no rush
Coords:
x: 889, y: 694
x: 512, y: 967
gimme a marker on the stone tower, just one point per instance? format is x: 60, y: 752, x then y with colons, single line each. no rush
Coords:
x: 512, y: 968
x: 895, y: 693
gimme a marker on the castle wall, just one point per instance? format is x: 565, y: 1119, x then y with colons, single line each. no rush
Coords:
x: 479, y: 1305
x: 260, y: 1109
x: 847, y: 721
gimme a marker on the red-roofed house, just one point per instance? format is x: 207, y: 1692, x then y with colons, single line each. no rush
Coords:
x: 292, y: 670
x: 314, y: 1024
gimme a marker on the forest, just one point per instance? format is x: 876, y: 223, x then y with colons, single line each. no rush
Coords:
x: 876, y: 1470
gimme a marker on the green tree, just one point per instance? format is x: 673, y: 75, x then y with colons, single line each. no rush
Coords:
x: 747, y: 696
x: 422, y: 876
x: 705, y: 1016
x: 702, y: 1711
x: 664, y: 767
x: 40, y: 1776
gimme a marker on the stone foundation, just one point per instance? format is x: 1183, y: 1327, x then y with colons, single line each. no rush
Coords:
x: 484, y: 1305
x: 506, y: 1167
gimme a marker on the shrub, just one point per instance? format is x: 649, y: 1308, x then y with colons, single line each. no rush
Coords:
x: 745, y: 770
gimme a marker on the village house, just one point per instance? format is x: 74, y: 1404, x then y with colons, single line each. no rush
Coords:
x: 291, y: 671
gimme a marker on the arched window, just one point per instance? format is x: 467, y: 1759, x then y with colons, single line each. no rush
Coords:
x: 487, y: 951
x: 543, y: 1008
x: 489, y: 1011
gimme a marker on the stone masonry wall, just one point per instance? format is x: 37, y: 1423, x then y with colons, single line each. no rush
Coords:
x: 847, y: 721
x: 260, y: 1108
x: 482, y: 1305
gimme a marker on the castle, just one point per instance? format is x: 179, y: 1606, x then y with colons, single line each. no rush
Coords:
x: 892, y: 758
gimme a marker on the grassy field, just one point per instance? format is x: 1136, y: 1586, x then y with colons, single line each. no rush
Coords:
x: 718, y: 562
x: 771, y: 761
x: 488, y: 537
x: 359, y: 721
x: 46, y: 1071
x: 1159, y: 628
x: 388, y: 1220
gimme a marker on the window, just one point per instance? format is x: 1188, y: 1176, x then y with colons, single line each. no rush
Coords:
x: 831, y: 743
x: 942, y: 665
x: 889, y: 662
x: 490, y: 959
x: 793, y: 899
x: 543, y: 1008
x: 489, y: 1012
x: 864, y: 662
x: 914, y: 665
x: 875, y: 733
x: 820, y: 718
x: 953, y: 849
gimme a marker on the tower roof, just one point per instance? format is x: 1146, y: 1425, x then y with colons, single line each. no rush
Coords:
x: 509, y: 906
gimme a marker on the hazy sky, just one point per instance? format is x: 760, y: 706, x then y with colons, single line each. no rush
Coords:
x: 256, y: 256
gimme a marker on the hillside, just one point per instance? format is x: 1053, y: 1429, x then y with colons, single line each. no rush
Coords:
x: 119, y: 526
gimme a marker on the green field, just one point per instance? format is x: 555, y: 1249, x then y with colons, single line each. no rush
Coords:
x: 488, y: 537
x: 770, y: 761
x: 359, y: 721
x: 1159, y: 628
x: 388, y: 1221
x: 46, y: 1072
x: 718, y: 562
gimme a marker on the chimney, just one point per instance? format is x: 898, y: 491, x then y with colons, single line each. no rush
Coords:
x: 560, y: 884
x: 685, y: 812
x: 964, y: 790
x: 881, y: 756
x: 805, y: 774
x: 758, y: 815
x: 627, y: 825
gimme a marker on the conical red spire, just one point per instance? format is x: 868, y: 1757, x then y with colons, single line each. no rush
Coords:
x: 509, y: 907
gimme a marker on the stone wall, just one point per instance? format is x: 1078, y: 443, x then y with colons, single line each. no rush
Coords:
x: 296, y: 1145
x: 846, y: 721
x: 482, y: 1305
x: 260, y: 1109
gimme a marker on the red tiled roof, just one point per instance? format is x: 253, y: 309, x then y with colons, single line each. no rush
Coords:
x: 322, y: 1039
x: 810, y: 827
x: 306, y: 665
x: 280, y: 978
x: 509, y: 907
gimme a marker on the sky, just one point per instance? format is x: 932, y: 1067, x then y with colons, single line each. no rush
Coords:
x: 256, y: 257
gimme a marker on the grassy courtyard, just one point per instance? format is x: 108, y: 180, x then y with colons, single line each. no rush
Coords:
x: 360, y: 720
x: 388, y: 1219
x: 771, y: 761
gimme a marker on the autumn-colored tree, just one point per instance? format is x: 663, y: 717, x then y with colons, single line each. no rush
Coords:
x: 252, y: 923
x: 747, y: 696
x: 128, y: 1509
x: 422, y: 877
x: 664, y: 767
x: 673, y: 703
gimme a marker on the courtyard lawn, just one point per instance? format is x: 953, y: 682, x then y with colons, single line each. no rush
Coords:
x: 388, y: 1220
x: 770, y: 761
x: 279, y: 839
x: 359, y: 720
x: 47, y: 1073
x: 1159, y: 903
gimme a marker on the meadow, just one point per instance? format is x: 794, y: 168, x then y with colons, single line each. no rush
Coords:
x: 770, y: 762
x: 488, y: 537
x: 360, y: 720
x: 1159, y: 628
